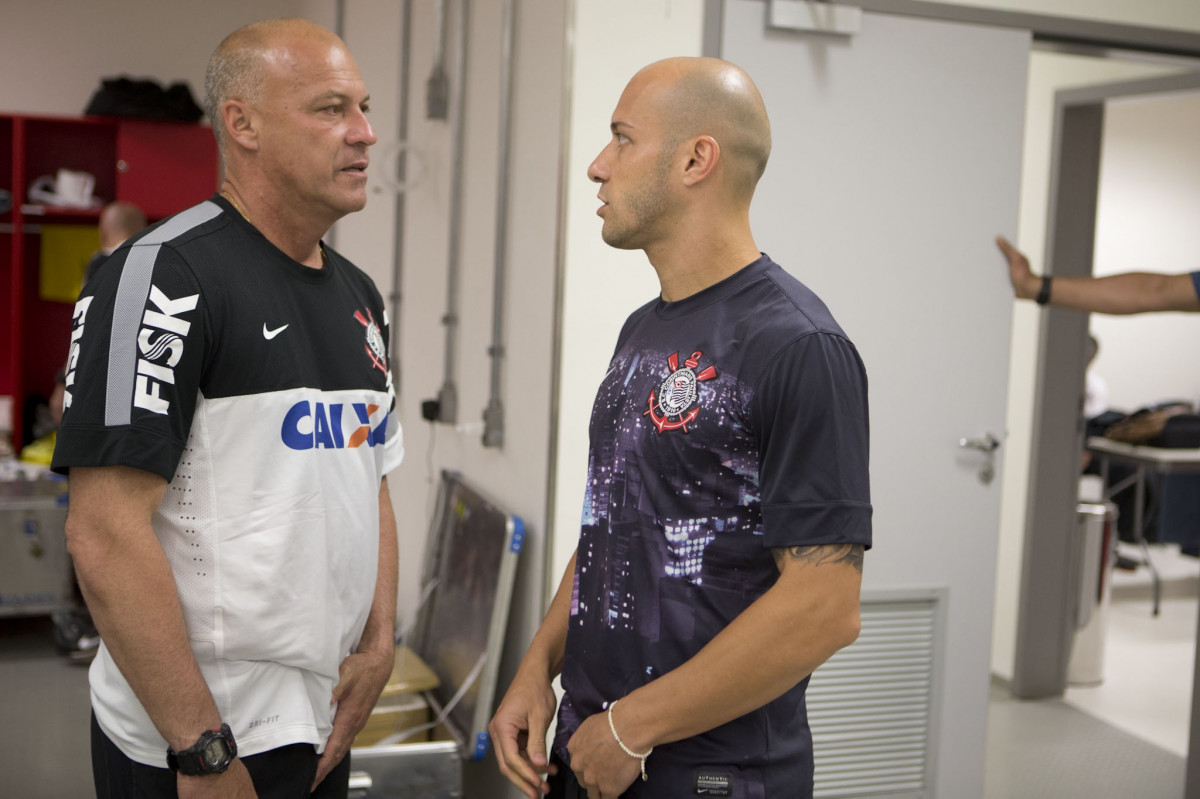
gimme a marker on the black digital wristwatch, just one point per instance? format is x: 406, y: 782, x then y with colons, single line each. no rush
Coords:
x: 211, y: 754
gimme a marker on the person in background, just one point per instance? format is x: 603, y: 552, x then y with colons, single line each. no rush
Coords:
x: 727, y: 506
x: 118, y: 221
x: 1095, y: 401
x: 228, y: 429
x: 75, y: 634
x: 1126, y: 293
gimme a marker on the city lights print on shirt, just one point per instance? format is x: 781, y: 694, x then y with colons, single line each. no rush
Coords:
x: 671, y: 503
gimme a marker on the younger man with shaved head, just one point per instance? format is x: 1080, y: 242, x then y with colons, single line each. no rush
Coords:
x: 228, y: 432
x: 727, y: 506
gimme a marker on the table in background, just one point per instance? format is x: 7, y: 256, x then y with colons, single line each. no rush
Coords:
x: 1144, y: 460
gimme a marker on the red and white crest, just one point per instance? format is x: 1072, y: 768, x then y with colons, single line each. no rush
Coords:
x: 375, y: 346
x: 675, y: 404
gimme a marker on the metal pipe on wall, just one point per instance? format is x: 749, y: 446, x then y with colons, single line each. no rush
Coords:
x: 493, y: 415
x: 401, y: 175
x: 448, y: 395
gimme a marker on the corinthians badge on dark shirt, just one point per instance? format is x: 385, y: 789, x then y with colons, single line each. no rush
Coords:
x: 675, y: 404
x: 375, y: 347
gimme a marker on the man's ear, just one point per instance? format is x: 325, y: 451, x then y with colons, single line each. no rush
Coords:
x: 703, y: 155
x: 240, y: 124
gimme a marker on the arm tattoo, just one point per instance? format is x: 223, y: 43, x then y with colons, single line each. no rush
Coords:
x: 820, y: 555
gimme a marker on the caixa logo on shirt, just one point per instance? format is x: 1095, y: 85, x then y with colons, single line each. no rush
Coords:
x: 317, y: 425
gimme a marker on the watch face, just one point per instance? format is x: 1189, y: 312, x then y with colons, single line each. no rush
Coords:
x: 215, y: 752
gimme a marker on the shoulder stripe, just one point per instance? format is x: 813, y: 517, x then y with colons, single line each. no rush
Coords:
x: 181, y: 223
x: 132, y: 293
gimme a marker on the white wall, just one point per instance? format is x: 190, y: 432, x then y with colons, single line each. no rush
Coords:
x: 516, y: 476
x: 53, y: 54
x: 601, y: 285
x: 1146, y: 219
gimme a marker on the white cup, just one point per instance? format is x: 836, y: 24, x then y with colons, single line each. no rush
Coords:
x: 74, y: 188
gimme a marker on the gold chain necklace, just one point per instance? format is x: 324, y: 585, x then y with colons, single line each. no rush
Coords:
x: 236, y: 205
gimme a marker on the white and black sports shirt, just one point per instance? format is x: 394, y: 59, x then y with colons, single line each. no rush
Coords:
x: 259, y: 388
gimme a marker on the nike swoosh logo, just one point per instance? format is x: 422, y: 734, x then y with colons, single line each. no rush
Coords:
x: 270, y: 334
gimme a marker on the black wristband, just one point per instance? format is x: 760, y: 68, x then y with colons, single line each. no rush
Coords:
x: 1043, y: 296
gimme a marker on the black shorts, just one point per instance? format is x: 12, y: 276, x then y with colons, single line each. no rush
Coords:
x: 283, y: 773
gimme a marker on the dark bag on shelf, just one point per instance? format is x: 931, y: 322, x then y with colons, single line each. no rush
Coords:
x: 1181, y: 431
x: 144, y: 99
x: 1145, y: 425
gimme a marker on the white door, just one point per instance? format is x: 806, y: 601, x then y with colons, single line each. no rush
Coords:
x: 896, y: 160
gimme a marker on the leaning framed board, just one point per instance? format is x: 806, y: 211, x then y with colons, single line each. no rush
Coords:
x: 467, y: 584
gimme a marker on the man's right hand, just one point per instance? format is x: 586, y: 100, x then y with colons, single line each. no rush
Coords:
x: 1025, y: 284
x: 233, y: 783
x: 518, y: 733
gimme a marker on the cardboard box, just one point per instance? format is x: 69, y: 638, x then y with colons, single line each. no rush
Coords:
x: 394, y: 716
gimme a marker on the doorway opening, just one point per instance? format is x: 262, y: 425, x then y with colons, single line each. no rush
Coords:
x: 1100, y: 126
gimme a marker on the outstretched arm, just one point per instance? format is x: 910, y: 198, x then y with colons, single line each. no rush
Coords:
x: 1126, y: 293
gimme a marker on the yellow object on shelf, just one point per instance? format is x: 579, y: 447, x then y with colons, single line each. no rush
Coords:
x: 66, y: 250
x: 40, y: 451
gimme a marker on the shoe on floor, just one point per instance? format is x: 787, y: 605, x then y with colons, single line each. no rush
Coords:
x: 75, y: 636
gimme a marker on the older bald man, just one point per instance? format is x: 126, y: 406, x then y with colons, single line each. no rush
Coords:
x: 228, y: 433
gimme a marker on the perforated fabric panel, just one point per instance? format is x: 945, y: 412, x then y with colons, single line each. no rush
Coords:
x: 870, y: 706
x: 190, y: 536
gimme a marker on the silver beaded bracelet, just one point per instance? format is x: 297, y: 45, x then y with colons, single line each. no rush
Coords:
x: 620, y: 743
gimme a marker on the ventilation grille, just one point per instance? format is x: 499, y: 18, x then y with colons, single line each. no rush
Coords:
x: 870, y: 706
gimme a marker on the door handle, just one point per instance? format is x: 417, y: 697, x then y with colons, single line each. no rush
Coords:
x: 989, y: 443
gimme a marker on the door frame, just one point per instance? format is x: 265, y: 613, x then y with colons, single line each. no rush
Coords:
x: 1043, y: 626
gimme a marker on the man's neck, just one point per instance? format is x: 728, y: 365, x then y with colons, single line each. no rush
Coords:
x: 684, y: 271
x: 290, y: 233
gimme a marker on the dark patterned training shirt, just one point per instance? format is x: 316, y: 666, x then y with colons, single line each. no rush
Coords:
x: 729, y: 423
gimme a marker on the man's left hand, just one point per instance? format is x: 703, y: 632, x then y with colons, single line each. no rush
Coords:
x: 602, y: 769
x: 361, y: 678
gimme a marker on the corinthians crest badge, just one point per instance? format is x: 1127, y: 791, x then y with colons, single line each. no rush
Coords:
x: 674, y: 405
x: 376, y: 349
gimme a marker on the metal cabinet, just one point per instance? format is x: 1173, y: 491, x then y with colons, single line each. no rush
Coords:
x: 35, y: 572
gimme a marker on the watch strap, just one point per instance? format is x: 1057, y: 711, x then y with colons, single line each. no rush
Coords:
x: 1043, y: 296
